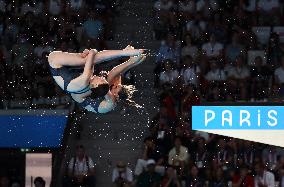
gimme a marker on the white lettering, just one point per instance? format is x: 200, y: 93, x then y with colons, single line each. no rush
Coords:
x: 244, y: 119
x: 207, y: 120
x: 225, y: 119
x: 272, y: 118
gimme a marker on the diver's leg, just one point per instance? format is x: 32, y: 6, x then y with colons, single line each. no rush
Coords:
x: 107, y: 55
x: 122, y: 68
x: 58, y: 59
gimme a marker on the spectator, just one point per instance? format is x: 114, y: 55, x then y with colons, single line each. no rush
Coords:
x: 279, y: 76
x: 269, y: 11
x: 169, y: 50
x: 238, y: 76
x: 260, y: 77
x: 55, y: 7
x: 76, y: 5
x: 263, y: 177
x: 223, y: 155
x: 149, y: 178
x: 81, y: 169
x: 190, y: 99
x: 243, y: 179
x: 234, y: 49
x: 168, y: 101
x: 281, y: 176
x: 216, y: 74
x: 271, y: 157
x: 163, y: 5
x: 150, y: 152
x: 193, y: 179
x: 122, y: 175
x: 219, y: 179
x: 201, y: 155
x: 189, y: 49
x: 170, y: 179
x: 248, y: 153
x: 39, y: 182
x: 196, y: 27
x: 187, y: 8
x: 190, y: 72
x: 169, y: 75
x: 206, y: 7
x: 178, y: 156
x: 22, y: 50
x: 36, y: 7
x: 213, y: 49
x: 274, y: 51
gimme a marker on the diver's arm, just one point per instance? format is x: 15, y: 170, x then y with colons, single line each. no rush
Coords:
x: 107, y: 55
x: 108, y: 104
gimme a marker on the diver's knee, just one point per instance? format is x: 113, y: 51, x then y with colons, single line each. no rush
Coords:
x: 52, y: 57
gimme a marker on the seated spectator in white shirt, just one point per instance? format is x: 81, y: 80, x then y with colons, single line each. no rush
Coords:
x: 81, y: 169
x: 178, y: 155
x: 189, y: 48
x: 215, y: 73
x: 169, y: 75
x: 234, y: 49
x: 263, y: 177
x: 269, y: 12
x: 239, y: 71
x: 122, y: 175
x: 189, y: 72
x: 213, y: 49
x: 238, y: 78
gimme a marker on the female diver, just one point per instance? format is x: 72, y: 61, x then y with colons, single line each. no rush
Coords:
x: 95, y: 93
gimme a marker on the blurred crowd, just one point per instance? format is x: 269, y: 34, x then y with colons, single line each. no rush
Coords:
x: 30, y: 29
x: 220, y: 50
x: 211, y: 51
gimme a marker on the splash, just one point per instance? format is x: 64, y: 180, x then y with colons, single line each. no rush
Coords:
x: 130, y: 90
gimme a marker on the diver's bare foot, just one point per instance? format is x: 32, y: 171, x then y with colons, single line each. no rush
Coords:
x: 131, y: 51
x: 138, y: 59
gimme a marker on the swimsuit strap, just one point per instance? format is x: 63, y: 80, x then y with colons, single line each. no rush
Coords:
x: 84, y: 90
x: 92, y: 103
x: 68, y: 74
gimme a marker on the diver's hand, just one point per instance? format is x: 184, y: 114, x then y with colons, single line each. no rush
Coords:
x: 85, y: 53
x: 130, y: 51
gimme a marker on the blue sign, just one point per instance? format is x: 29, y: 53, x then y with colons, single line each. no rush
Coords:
x: 31, y: 131
x: 237, y: 117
